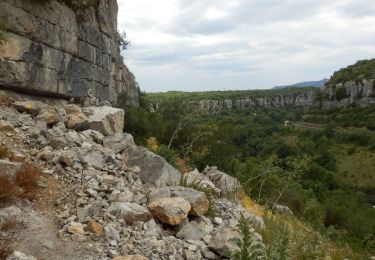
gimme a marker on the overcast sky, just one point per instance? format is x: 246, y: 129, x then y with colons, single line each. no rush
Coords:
x: 196, y: 45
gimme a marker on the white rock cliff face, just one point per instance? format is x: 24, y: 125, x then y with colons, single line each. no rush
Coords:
x: 360, y: 94
x: 302, y: 99
x: 54, y: 51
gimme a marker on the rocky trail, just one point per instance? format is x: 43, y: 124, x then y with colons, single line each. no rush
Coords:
x: 100, y: 196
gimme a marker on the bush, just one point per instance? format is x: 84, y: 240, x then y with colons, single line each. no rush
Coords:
x: 167, y: 154
x: 250, y: 243
x: 121, y: 40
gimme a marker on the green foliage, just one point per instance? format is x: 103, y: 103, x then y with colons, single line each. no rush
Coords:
x: 249, y: 243
x: 287, y: 238
x: 364, y: 69
x: 167, y: 154
x: 3, y: 28
x: 340, y: 93
x: 121, y: 40
x: 294, y: 166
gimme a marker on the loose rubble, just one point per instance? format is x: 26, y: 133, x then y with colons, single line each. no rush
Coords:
x: 124, y: 201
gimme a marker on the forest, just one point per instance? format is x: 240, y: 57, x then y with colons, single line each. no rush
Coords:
x: 321, y: 164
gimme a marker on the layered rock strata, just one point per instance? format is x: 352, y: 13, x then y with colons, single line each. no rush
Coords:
x: 55, y: 51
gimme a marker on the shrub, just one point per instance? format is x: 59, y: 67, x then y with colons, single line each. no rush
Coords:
x: 7, y: 189
x: 6, y: 247
x: 121, y: 40
x: 23, y: 186
x: 26, y: 179
x: 167, y: 154
x: 250, y: 243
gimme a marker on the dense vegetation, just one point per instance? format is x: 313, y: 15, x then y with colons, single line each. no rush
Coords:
x: 297, y: 166
x: 364, y: 69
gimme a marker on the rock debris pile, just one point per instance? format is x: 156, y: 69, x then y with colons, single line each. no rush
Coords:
x: 121, y: 201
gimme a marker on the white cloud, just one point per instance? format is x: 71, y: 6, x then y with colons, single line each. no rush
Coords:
x: 243, y: 44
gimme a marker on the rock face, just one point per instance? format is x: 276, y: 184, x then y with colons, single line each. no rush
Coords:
x: 55, y: 51
x: 106, y: 120
x: 360, y: 93
x: 350, y: 93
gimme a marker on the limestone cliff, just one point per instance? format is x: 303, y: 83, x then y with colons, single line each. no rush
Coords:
x: 55, y: 51
x: 304, y: 98
x: 361, y: 93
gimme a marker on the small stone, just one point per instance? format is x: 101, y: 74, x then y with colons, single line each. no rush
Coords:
x: 47, y: 172
x: 218, y: 221
x: 20, y: 256
x: 112, y: 233
x: 49, y: 244
x: 5, y: 126
x: 66, y: 158
x: 76, y: 228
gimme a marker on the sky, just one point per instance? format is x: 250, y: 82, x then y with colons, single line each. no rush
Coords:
x: 201, y: 45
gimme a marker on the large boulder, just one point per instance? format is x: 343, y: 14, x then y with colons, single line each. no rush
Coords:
x: 31, y: 107
x: 130, y: 212
x: 222, y: 240
x: 154, y: 169
x: 197, y: 199
x: 107, y: 120
x: 199, y: 178
x: 227, y: 184
x: 196, y: 229
x: 118, y: 142
x: 281, y: 209
x: 170, y: 211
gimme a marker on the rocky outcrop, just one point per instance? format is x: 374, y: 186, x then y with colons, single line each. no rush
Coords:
x: 110, y: 200
x: 360, y: 94
x: 55, y: 51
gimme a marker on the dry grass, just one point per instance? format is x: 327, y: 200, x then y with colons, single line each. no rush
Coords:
x: 6, y: 247
x: 5, y: 101
x: 23, y: 186
x: 249, y: 204
x: 27, y: 179
x: 10, y: 224
x: 4, y: 152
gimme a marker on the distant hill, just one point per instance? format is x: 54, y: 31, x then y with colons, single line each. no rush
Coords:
x: 317, y: 84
